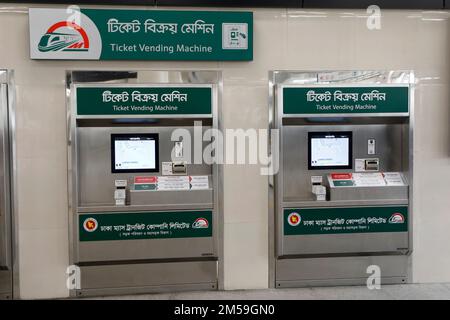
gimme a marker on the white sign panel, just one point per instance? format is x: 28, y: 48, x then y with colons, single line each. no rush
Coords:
x: 63, y: 34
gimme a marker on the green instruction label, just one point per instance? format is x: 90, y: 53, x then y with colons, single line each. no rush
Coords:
x: 143, y: 101
x: 345, y: 220
x: 145, y: 225
x: 343, y: 183
x: 337, y: 100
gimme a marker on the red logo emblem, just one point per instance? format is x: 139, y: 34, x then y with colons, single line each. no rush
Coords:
x: 294, y: 219
x: 64, y: 36
x: 90, y: 224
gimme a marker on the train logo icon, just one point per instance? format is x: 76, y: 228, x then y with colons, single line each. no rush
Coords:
x: 200, y: 223
x: 57, y: 34
x: 64, y: 36
x: 397, y: 218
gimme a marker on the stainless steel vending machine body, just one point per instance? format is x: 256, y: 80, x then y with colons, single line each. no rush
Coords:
x: 166, y: 234
x: 341, y: 202
x: 7, y: 223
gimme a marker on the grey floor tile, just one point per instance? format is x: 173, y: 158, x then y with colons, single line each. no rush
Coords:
x: 386, y: 292
x: 351, y: 293
x: 420, y: 291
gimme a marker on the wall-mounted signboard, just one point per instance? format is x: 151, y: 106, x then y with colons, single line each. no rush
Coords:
x: 98, y: 34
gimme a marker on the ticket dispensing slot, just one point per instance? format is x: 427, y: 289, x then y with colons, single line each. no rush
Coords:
x: 371, y: 165
x: 342, y: 193
x: 179, y: 168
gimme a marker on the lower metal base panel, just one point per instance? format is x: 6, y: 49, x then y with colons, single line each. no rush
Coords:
x: 332, y: 271
x: 5, y: 285
x: 136, y: 278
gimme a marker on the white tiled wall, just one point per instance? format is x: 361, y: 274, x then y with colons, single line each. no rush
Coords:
x: 284, y: 39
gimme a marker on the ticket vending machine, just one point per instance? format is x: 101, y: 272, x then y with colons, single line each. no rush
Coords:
x: 341, y: 200
x: 6, y: 209
x: 144, y: 196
